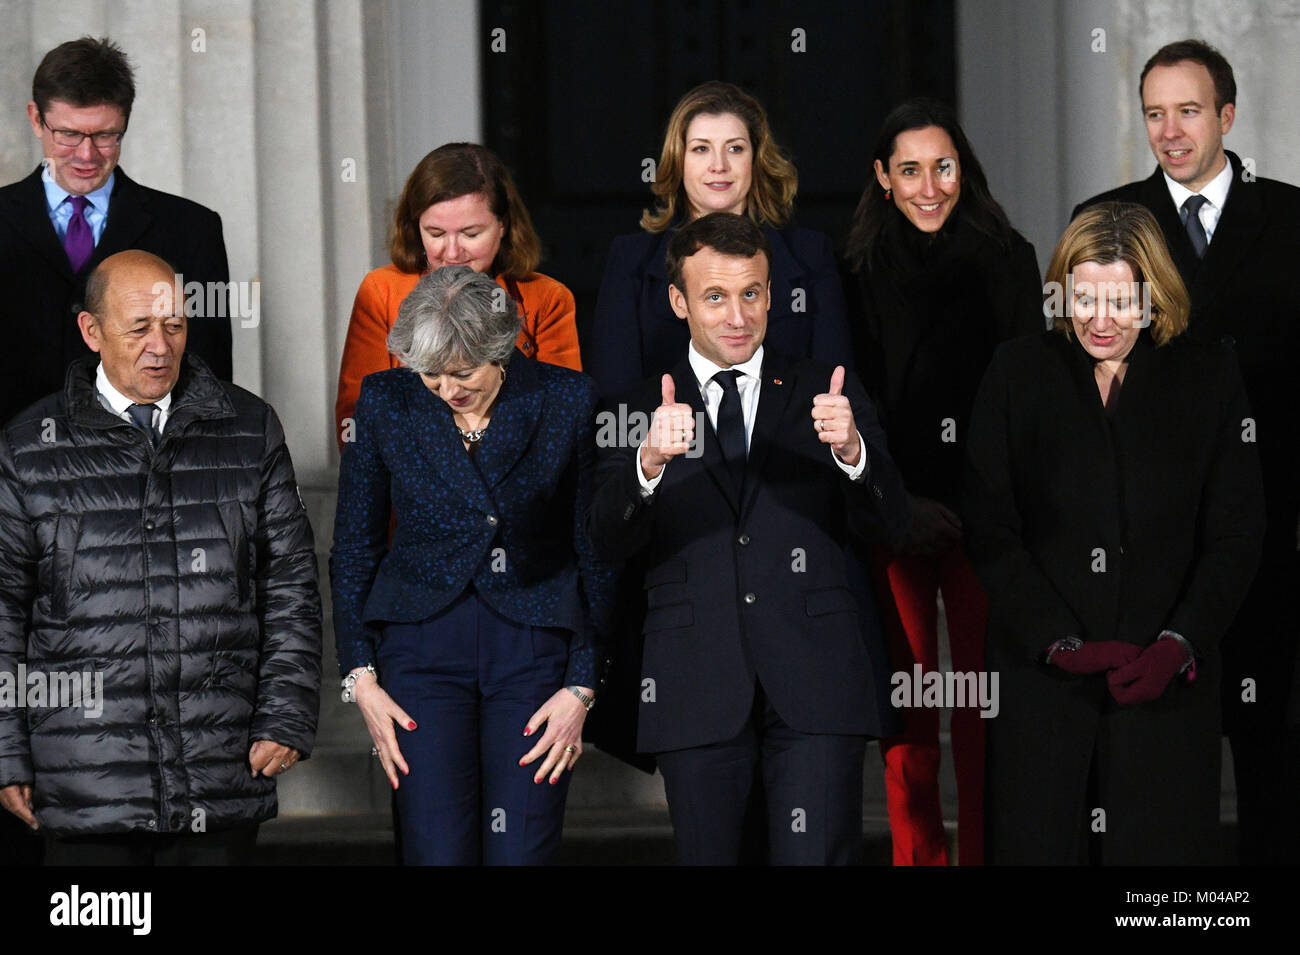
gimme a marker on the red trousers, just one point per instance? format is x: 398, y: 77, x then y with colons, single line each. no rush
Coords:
x: 907, y: 589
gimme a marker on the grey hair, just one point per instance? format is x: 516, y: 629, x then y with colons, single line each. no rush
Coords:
x: 455, y: 315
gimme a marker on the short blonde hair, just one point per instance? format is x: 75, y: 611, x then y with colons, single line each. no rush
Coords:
x: 1123, y: 232
x: 774, y: 181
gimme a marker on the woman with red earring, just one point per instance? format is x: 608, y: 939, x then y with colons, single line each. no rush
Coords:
x: 944, y: 278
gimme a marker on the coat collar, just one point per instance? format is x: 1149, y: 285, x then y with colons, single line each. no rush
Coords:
x: 515, y: 418
x: 129, y: 215
x: 27, y: 210
x: 1240, y: 224
x: 198, y: 395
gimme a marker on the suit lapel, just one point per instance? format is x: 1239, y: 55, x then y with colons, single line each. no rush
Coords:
x: 514, y: 420
x: 128, y: 217
x: 776, y: 388
x: 1240, y: 224
x: 1155, y: 196
x: 706, y: 437
x: 30, y: 216
x: 435, y: 431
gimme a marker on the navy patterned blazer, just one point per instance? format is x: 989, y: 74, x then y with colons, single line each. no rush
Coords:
x: 510, y: 521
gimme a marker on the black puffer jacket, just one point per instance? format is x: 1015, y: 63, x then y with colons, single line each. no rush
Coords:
x: 186, y: 576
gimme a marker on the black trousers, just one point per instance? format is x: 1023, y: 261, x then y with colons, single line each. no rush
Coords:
x: 225, y: 847
x: 810, y: 786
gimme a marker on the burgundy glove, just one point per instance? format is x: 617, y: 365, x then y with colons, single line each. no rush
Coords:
x: 1095, y: 656
x: 1145, y: 678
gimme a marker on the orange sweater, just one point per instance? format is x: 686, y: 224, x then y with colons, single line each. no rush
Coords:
x: 549, y: 332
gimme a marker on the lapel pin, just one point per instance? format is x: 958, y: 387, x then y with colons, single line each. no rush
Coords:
x: 776, y: 381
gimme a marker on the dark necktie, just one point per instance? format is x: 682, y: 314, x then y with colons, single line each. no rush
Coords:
x: 142, y: 415
x: 731, y: 426
x: 1195, y: 231
x: 79, y: 241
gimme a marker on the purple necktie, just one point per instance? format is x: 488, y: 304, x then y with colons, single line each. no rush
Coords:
x: 79, y: 242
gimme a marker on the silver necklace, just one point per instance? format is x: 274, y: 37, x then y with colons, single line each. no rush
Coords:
x: 473, y: 437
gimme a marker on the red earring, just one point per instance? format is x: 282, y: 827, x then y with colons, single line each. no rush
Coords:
x: 887, y: 195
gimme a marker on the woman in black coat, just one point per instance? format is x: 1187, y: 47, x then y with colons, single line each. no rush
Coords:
x: 1115, y: 514
x: 943, y: 278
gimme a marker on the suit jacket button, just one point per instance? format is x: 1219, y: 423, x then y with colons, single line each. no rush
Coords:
x: 492, y: 519
x: 742, y: 540
x: 148, y: 525
x: 750, y: 598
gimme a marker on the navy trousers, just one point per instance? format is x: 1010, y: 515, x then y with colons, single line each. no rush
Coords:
x: 470, y: 678
x: 811, y: 789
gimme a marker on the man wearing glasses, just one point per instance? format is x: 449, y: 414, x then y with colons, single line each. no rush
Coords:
x: 78, y: 208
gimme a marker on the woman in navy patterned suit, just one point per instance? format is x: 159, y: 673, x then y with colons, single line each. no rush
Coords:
x: 478, y: 628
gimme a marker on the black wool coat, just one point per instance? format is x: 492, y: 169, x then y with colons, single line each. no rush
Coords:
x: 1244, y: 295
x: 1108, y: 529
x: 932, y: 309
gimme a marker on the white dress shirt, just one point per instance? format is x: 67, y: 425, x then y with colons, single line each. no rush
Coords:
x: 1215, y: 193
x: 748, y: 383
x: 116, y: 402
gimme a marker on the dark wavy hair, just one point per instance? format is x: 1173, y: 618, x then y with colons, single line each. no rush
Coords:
x: 85, y: 72
x: 461, y: 169
x: 976, y: 202
x: 724, y: 232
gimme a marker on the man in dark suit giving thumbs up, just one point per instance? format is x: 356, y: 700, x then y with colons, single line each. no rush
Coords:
x: 763, y: 662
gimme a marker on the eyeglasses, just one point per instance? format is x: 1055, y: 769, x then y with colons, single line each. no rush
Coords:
x: 104, y: 139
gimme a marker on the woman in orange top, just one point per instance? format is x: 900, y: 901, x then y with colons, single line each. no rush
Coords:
x: 459, y: 207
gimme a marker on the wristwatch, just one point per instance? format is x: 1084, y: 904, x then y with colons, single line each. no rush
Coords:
x: 350, y: 683
x: 586, y: 699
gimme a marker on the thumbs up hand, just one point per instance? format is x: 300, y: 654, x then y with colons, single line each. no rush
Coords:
x: 671, y: 431
x: 833, y: 419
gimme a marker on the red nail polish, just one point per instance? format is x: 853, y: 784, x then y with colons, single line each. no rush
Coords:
x: 553, y: 780
x: 394, y: 783
x: 528, y: 731
x: 411, y: 725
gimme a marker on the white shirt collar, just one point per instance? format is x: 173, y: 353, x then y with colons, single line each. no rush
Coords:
x: 1215, y: 191
x: 706, y: 368
x: 120, y: 402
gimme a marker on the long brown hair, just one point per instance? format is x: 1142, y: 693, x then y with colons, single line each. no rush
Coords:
x: 774, y: 180
x: 461, y: 169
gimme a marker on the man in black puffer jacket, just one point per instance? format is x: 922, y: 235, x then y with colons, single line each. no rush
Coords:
x: 160, y: 629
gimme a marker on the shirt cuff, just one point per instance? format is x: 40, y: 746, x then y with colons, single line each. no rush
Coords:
x: 648, y: 484
x: 855, y: 471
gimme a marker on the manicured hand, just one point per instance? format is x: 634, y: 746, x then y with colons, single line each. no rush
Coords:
x: 381, y: 712
x: 563, y: 715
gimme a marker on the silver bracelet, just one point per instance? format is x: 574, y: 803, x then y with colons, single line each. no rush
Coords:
x: 350, y: 683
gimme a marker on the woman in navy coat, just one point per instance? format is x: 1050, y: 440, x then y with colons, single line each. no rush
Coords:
x: 478, y: 630
x: 718, y: 156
